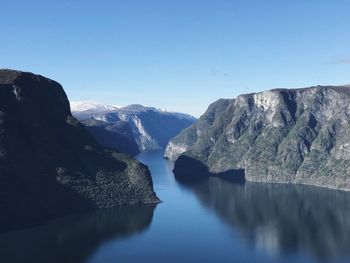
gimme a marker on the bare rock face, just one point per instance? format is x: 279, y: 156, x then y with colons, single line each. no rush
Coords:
x: 49, y: 164
x: 283, y: 136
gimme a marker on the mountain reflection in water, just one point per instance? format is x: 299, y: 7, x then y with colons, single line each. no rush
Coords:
x: 212, y: 220
x: 72, y: 239
x: 282, y: 219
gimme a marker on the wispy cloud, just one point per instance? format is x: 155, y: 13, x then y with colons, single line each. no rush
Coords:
x: 342, y: 61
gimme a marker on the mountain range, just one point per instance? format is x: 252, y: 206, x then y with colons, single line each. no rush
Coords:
x: 132, y: 128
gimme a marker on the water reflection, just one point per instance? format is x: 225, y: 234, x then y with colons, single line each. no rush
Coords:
x: 282, y: 219
x: 73, y: 238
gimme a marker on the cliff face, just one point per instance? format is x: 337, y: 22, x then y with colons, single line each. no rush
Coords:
x: 49, y: 164
x: 151, y: 128
x: 283, y: 136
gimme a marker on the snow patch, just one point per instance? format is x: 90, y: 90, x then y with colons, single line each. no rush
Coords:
x: 90, y: 106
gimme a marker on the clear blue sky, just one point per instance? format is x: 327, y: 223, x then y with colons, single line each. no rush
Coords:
x: 180, y: 54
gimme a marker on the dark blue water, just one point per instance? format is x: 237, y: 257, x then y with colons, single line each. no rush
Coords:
x: 213, y: 220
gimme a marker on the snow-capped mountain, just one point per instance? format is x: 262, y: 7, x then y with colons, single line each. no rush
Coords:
x: 90, y: 106
x: 151, y: 128
x: 136, y: 108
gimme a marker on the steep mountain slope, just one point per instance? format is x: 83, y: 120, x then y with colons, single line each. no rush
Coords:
x: 117, y: 135
x: 284, y: 136
x: 151, y: 128
x: 49, y: 164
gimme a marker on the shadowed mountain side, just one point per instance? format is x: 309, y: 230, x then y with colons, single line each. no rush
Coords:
x: 117, y: 135
x: 49, y: 164
x: 163, y: 126
x: 281, y: 219
x: 188, y: 169
x: 72, y: 239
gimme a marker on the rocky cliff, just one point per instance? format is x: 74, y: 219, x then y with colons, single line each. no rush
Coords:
x: 283, y: 136
x: 49, y: 164
x: 151, y: 128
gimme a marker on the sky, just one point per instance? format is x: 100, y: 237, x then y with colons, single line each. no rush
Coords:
x: 179, y: 55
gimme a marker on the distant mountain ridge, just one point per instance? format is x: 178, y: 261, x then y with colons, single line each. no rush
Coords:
x: 93, y: 106
x: 151, y: 128
x: 90, y: 105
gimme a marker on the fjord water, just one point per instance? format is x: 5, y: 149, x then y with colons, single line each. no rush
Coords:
x: 214, y: 220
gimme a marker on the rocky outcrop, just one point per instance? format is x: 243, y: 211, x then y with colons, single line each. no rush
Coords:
x: 151, y: 128
x: 283, y: 136
x: 49, y: 164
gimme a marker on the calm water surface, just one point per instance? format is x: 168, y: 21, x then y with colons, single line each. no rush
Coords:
x: 214, y: 220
